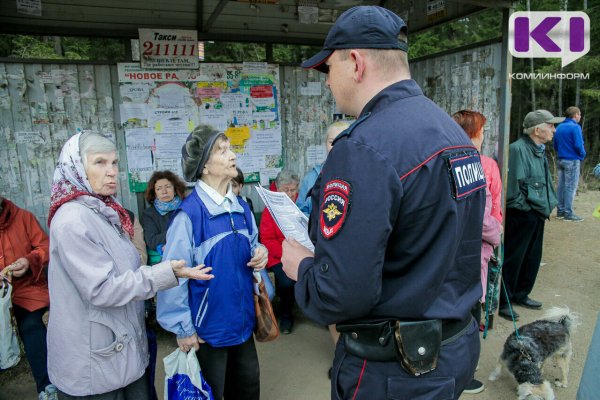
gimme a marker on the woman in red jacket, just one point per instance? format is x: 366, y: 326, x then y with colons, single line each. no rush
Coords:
x: 271, y: 237
x: 23, y: 257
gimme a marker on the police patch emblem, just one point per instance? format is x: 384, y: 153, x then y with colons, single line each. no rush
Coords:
x: 466, y: 175
x: 334, y: 207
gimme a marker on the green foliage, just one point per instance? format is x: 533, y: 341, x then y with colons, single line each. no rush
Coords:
x: 475, y: 28
x: 234, y: 52
x: 548, y: 91
x: 61, y: 48
x: 293, y: 54
x: 23, y: 46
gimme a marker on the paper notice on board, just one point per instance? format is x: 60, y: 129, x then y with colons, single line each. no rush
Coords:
x: 242, y: 117
x: 216, y: 118
x: 250, y: 163
x: 234, y: 101
x: 315, y: 154
x: 169, y: 120
x: 288, y: 217
x: 310, y: 89
x: 254, y: 68
x: 171, y: 100
x: 168, y: 145
x: 170, y: 164
x: 238, y: 136
x: 134, y: 92
x: 134, y: 115
x: 29, y: 137
x: 139, y: 159
x: 268, y: 174
x: 139, y: 139
x: 29, y: 7
x: 265, y: 142
x: 139, y: 144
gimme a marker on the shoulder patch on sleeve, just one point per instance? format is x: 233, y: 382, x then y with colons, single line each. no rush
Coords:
x: 466, y: 174
x: 334, y: 207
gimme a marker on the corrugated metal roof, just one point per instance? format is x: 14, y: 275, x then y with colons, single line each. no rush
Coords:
x: 219, y: 20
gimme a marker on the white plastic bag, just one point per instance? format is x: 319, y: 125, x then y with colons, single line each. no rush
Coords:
x: 10, y: 352
x: 183, y: 380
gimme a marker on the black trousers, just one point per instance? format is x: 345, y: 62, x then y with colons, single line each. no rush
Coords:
x: 33, y: 334
x: 285, y: 291
x: 231, y: 372
x: 523, y: 240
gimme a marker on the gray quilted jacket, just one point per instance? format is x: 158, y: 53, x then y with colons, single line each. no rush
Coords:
x: 96, y: 334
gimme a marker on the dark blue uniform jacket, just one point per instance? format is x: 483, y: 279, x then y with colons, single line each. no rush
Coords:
x: 396, y: 218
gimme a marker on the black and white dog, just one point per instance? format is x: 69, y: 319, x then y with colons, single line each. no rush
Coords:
x: 524, y: 357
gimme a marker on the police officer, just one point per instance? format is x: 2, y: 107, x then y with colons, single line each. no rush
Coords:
x: 396, y: 222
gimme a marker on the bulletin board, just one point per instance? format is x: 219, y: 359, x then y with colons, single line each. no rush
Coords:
x: 159, y: 108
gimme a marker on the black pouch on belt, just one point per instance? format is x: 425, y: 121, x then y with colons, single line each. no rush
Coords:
x: 418, y: 344
x: 373, y: 341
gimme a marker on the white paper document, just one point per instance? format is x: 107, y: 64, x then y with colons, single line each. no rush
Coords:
x: 288, y: 217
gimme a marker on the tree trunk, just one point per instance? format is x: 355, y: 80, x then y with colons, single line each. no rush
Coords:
x: 533, y: 105
x: 560, y: 80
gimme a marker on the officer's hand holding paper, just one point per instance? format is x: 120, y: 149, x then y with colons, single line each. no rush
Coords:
x: 288, y: 217
x: 293, y: 254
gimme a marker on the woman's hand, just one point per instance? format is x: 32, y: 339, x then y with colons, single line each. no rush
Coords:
x: 19, y: 267
x: 259, y: 261
x: 187, y: 343
x: 199, y: 272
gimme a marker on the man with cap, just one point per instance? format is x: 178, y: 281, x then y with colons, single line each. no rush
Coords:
x: 396, y: 222
x: 213, y: 226
x: 530, y: 198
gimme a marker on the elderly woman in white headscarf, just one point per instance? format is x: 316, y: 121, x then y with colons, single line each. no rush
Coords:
x: 215, y: 227
x: 97, y: 346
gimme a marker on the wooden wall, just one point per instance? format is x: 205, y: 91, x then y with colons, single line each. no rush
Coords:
x: 468, y: 79
x: 42, y: 105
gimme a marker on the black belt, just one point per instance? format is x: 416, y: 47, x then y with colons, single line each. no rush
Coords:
x: 375, y: 341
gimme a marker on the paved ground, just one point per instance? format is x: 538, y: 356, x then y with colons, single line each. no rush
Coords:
x: 295, y: 366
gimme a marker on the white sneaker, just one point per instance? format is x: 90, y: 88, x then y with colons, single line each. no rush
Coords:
x: 50, y: 393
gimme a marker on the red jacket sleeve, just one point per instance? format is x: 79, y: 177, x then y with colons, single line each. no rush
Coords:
x: 38, y: 256
x: 271, y: 237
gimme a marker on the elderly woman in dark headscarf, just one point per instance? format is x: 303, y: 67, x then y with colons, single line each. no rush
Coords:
x: 97, y: 345
x: 215, y: 227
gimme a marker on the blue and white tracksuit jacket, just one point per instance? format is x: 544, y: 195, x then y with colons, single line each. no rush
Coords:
x: 220, y: 310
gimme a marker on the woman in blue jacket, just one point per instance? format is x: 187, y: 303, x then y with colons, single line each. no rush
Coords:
x: 214, y: 227
x: 303, y: 201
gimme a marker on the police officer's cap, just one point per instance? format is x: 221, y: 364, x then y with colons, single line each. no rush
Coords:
x: 361, y: 27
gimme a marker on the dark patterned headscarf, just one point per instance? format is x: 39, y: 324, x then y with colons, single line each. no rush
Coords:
x: 70, y: 181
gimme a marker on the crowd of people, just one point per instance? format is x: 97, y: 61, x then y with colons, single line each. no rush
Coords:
x: 405, y: 214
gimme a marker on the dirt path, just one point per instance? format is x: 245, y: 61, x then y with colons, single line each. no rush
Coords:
x: 295, y: 367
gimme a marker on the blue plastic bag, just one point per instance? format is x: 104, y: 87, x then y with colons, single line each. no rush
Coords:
x: 268, y: 284
x: 183, y: 380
